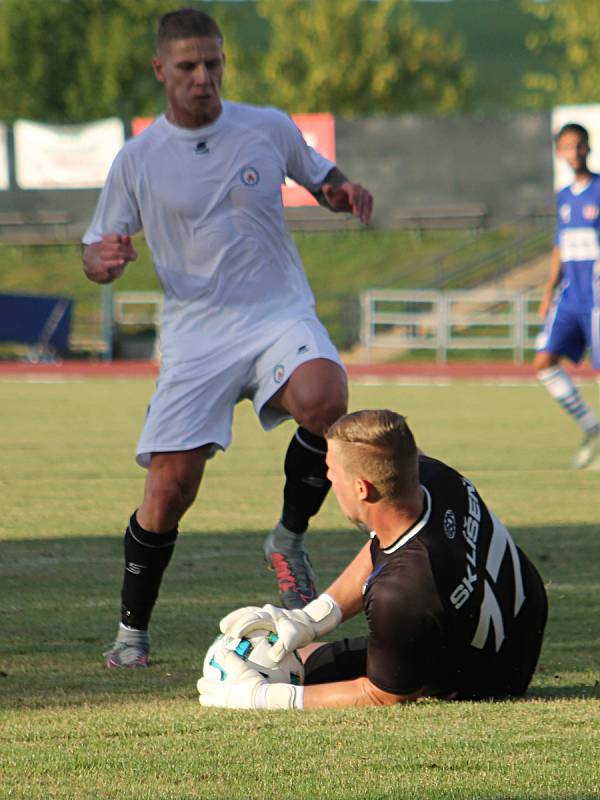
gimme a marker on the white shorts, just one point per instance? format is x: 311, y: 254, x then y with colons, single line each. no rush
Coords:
x: 193, y: 402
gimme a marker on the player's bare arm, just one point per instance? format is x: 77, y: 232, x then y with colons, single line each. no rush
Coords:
x: 246, y: 687
x: 553, y: 279
x: 338, y: 193
x: 347, y: 588
x: 105, y: 261
x: 358, y: 693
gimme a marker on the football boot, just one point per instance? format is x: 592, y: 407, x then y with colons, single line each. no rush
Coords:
x: 296, y: 579
x: 131, y: 648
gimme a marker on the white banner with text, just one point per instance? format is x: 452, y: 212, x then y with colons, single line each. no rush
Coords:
x: 4, y: 175
x: 66, y: 156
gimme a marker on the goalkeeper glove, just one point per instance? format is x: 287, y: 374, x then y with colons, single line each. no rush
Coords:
x: 244, y: 687
x: 295, y: 628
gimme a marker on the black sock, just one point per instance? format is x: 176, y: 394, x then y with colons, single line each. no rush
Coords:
x: 147, y: 556
x: 306, y: 483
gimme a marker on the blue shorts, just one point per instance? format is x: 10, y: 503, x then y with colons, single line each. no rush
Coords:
x: 570, y: 333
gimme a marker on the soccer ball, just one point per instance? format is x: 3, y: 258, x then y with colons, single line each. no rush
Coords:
x: 254, y: 649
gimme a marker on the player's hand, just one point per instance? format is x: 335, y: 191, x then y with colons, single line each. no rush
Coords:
x: 236, y: 690
x: 245, y: 687
x: 245, y: 620
x: 106, y: 260
x: 350, y: 197
x: 294, y: 628
x: 544, y: 306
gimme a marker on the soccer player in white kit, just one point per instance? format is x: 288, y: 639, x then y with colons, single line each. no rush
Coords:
x: 204, y: 183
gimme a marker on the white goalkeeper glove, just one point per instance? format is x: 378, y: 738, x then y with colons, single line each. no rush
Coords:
x: 244, y: 687
x: 294, y: 628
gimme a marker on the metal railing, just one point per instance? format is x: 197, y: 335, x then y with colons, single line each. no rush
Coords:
x: 137, y: 308
x: 131, y: 324
x: 426, y: 319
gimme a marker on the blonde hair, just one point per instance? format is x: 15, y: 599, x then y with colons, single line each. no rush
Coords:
x: 379, y: 447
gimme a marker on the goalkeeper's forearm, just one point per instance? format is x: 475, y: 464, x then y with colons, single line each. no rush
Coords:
x: 358, y: 693
x: 347, y: 588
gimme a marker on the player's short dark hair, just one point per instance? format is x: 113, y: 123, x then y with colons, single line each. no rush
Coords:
x: 379, y: 446
x: 186, y: 23
x: 573, y: 127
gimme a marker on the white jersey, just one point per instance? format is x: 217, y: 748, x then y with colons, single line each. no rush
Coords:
x: 209, y: 201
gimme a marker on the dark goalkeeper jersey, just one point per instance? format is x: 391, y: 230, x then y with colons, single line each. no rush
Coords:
x: 453, y: 605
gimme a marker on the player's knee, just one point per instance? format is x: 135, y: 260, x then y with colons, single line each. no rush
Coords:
x: 544, y: 360
x: 321, y: 415
x: 169, y: 499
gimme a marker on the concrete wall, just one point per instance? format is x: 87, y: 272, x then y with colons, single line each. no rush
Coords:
x: 504, y: 162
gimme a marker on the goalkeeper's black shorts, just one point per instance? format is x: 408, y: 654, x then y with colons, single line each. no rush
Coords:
x: 343, y: 660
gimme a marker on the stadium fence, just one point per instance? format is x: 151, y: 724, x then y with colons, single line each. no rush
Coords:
x: 426, y: 319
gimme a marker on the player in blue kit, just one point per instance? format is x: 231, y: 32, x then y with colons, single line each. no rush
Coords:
x: 571, y: 303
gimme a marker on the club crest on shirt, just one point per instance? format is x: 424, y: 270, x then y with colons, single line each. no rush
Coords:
x: 590, y: 212
x: 450, y: 524
x: 249, y: 176
x: 278, y: 373
x: 201, y: 148
x: 565, y: 212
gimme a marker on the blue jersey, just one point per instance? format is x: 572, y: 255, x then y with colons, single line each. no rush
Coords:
x: 578, y: 236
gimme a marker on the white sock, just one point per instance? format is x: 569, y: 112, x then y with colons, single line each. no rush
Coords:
x: 563, y: 390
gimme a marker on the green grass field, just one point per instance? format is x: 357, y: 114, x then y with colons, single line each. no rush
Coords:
x: 70, y: 729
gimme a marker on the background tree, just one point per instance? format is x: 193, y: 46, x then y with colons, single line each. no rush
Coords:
x: 569, y: 44
x: 80, y: 60
x: 76, y: 60
x: 351, y: 58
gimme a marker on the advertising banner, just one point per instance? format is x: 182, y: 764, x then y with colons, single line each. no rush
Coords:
x: 66, y: 156
x: 138, y: 124
x: 319, y: 132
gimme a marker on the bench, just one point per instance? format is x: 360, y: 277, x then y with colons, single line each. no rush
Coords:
x: 315, y: 218
x: 12, y: 218
x: 471, y: 216
x: 35, y: 227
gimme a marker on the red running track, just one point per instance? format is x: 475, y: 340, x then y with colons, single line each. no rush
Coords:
x: 391, y: 372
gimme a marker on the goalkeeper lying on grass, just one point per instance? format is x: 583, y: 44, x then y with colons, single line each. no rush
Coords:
x: 454, y: 608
